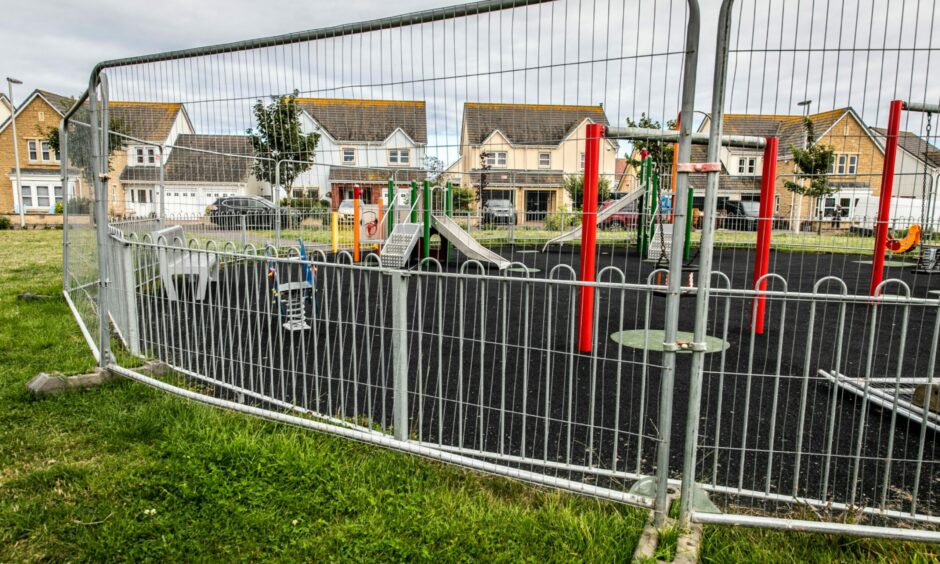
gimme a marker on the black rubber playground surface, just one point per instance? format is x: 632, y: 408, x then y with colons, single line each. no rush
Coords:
x: 492, y: 366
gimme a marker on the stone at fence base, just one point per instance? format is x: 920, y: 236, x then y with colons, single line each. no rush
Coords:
x: 920, y: 393
x: 689, y: 545
x: 48, y: 383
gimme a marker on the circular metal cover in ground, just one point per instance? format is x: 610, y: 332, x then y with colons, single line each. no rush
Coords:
x: 636, y: 338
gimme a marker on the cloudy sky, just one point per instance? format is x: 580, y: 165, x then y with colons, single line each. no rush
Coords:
x: 623, y: 53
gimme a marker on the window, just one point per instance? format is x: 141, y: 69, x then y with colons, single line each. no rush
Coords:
x: 853, y: 164
x: 46, y: 153
x: 840, y: 164
x: 545, y: 160
x: 40, y: 116
x: 42, y: 196
x: 146, y: 156
x: 747, y: 165
x: 776, y: 204
x: 399, y: 156
x: 496, y: 158
x: 349, y: 155
x: 58, y: 194
x: 27, y: 194
x: 33, y: 150
x: 581, y: 163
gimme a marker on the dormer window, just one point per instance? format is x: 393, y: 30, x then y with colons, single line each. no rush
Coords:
x: 399, y: 157
x: 349, y: 155
x: 747, y: 165
x: 146, y: 156
x: 496, y: 158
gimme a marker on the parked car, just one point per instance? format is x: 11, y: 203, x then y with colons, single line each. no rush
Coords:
x: 499, y: 212
x: 622, y: 219
x: 258, y: 213
x: 345, y: 212
x: 742, y: 216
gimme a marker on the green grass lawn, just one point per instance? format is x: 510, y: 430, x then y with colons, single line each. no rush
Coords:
x: 124, y: 472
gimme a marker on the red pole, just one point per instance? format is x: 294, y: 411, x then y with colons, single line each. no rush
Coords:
x: 357, y: 194
x: 884, y: 200
x: 764, y: 228
x: 592, y: 153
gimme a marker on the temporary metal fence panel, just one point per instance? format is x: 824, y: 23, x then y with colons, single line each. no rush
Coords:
x: 233, y: 257
x: 815, y: 414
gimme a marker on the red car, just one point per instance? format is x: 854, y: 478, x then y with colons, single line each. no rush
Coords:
x: 622, y: 219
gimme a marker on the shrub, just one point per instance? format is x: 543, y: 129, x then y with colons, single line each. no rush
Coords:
x: 58, y: 207
x: 562, y: 219
x: 4, y: 222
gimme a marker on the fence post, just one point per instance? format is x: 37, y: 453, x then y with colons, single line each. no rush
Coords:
x: 64, y: 158
x: 706, y: 248
x: 399, y: 287
x: 99, y: 159
x: 680, y: 209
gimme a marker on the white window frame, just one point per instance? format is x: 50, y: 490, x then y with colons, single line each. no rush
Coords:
x: 350, y: 150
x: 496, y: 159
x: 32, y: 150
x: 747, y: 165
x: 548, y: 160
x: 852, y: 165
x: 841, y: 162
x: 581, y: 162
x: 399, y: 157
x: 26, y: 194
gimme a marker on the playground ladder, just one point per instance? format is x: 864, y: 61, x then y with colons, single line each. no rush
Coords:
x: 399, y: 244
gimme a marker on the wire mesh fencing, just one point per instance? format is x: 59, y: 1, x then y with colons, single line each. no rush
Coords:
x: 376, y: 230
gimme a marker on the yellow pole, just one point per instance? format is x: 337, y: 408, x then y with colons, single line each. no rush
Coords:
x: 334, y: 231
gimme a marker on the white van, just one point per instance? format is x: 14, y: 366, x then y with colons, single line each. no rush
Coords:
x: 904, y: 213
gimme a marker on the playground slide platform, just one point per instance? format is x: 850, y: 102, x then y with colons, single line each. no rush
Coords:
x: 575, y: 232
x: 466, y: 244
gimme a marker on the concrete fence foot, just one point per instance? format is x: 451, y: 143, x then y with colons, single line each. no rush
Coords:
x: 48, y: 383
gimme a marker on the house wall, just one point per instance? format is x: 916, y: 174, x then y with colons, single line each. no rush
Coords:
x: 329, y: 152
x: 564, y: 157
x: 31, y: 123
x: 118, y: 199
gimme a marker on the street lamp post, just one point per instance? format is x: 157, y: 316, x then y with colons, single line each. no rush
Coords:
x: 16, y: 150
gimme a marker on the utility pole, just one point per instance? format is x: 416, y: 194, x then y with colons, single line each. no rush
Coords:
x: 16, y: 151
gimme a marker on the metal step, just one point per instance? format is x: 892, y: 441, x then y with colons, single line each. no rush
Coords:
x: 400, y: 243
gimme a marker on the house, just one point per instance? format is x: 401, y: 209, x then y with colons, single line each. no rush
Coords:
x: 199, y: 169
x: 856, y: 169
x: 916, y: 156
x: 40, y: 168
x: 364, y: 142
x: 625, y: 176
x: 135, y: 166
x: 523, y: 152
x: 6, y: 107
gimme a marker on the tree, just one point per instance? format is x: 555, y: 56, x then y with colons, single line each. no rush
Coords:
x: 278, y: 137
x: 574, y: 185
x: 813, y: 163
x: 434, y: 166
x: 661, y: 152
x: 79, y: 141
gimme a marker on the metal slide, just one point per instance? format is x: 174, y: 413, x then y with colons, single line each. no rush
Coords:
x: 575, y: 232
x: 467, y: 245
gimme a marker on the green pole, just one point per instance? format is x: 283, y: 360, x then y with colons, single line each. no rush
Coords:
x: 688, y: 227
x: 414, y: 200
x: 449, y: 211
x: 654, y: 202
x: 391, y: 205
x: 427, y: 218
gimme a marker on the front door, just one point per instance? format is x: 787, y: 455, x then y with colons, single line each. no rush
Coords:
x: 536, y: 204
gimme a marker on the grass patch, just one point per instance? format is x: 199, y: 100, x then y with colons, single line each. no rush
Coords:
x: 124, y: 472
